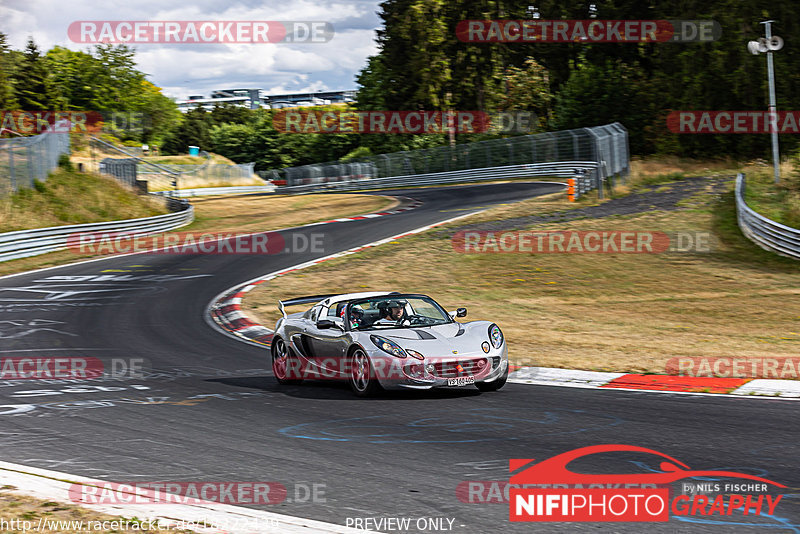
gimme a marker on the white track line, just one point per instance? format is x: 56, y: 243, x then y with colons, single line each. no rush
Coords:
x: 223, y: 518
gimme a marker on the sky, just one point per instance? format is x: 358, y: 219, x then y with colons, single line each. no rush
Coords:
x: 183, y: 69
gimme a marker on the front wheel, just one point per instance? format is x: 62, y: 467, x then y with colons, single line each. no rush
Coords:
x: 495, y: 384
x: 363, y: 381
x: 283, y: 365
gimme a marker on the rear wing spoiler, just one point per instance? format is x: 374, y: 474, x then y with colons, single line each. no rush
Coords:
x: 302, y: 300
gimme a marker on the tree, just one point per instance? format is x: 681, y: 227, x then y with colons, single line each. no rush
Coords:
x: 234, y: 141
x: 227, y: 113
x: 193, y: 130
x: 73, y: 72
x: 114, y: 73
x: 7, y: 99
x: 159, y: 113
x: 372, y: 82
x: 600, y: 94
x: 33, y: 89
x: 527, y: 89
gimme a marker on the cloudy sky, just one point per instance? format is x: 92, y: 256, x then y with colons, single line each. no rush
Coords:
x: 184, y: 69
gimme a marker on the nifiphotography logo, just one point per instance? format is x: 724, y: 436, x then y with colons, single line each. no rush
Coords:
x: 564, y: 495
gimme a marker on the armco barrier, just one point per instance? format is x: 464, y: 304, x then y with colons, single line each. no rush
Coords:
x: 766, y: 233
x: 25, y: 243
x: 563, y: 169
x: 544, y: 154
x: 210, y: 191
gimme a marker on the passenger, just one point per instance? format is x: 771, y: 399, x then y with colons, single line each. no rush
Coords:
x: 356, y: 316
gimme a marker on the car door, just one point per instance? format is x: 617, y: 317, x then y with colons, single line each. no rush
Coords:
x: 329, y: 345
x: 302, y: 339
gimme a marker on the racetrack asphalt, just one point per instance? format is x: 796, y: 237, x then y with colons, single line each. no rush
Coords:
x: 209, y: 409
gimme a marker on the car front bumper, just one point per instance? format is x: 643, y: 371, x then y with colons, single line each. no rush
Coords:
x: 444, y: 368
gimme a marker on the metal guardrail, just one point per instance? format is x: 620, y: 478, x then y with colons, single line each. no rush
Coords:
x: 604, y: 146
x: 208, y: 191
x: 563, y: 169
x: 766, y: 233
x: 26, y: 243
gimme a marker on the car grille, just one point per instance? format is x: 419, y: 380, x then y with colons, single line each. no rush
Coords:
x: 449, y: 369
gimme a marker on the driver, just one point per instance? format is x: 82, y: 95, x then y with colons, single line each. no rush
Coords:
x: 392, y: 312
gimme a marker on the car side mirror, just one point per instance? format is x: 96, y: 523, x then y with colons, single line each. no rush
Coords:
x: 325, y: 323
x: 461, y: 312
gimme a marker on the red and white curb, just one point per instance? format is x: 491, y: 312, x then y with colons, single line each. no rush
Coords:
x: 408, y: 204
x: 690, y: 385
x: 203, y: 516
x: 225, y: 310
x: 226, y: 315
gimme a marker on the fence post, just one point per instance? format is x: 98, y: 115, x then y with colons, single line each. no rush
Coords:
x: 12, y: 172
x: 29, y: 153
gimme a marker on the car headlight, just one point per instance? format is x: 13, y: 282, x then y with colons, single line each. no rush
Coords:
x: 388, y: 346
x: 415, y: 354
x: 496, y: 336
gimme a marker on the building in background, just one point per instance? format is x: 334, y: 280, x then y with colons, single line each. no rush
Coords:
x: 257, y: 98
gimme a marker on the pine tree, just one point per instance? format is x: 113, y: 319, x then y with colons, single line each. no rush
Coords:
x: 33, y: 90
x: 7, y: 98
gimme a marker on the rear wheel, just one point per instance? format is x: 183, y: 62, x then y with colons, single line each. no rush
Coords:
x: 284, y: 366
x: 495, y: 384
x: 363, y: 381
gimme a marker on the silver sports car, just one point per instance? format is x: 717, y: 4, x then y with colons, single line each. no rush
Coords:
x: 382, y: 340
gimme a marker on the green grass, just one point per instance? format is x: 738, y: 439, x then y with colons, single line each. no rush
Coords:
x: 779, y: 202
x: 71, y: 197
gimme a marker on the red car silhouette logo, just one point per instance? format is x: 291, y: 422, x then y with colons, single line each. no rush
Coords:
x: 554, y: 470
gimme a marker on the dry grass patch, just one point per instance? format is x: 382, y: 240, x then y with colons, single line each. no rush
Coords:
x: 254, y: 213
x: 614, y: 312
x: 59, y: 518
x: 240, y: 214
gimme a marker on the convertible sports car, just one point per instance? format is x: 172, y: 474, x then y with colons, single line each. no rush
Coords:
x: 382, y: 340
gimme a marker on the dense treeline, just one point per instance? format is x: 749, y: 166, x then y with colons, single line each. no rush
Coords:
x: 421, y: 65
x: 102, y: 80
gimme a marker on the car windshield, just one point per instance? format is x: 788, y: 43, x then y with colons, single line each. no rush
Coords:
x: 395, y: 311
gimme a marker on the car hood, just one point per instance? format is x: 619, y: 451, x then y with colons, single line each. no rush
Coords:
x: 447, y: 340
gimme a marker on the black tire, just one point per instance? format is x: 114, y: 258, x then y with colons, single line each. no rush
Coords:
x: 495, y: 384
x: 283, y: 363
x: 362, y: 379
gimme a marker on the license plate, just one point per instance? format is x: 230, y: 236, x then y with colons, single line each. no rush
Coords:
x: 461, y: 381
